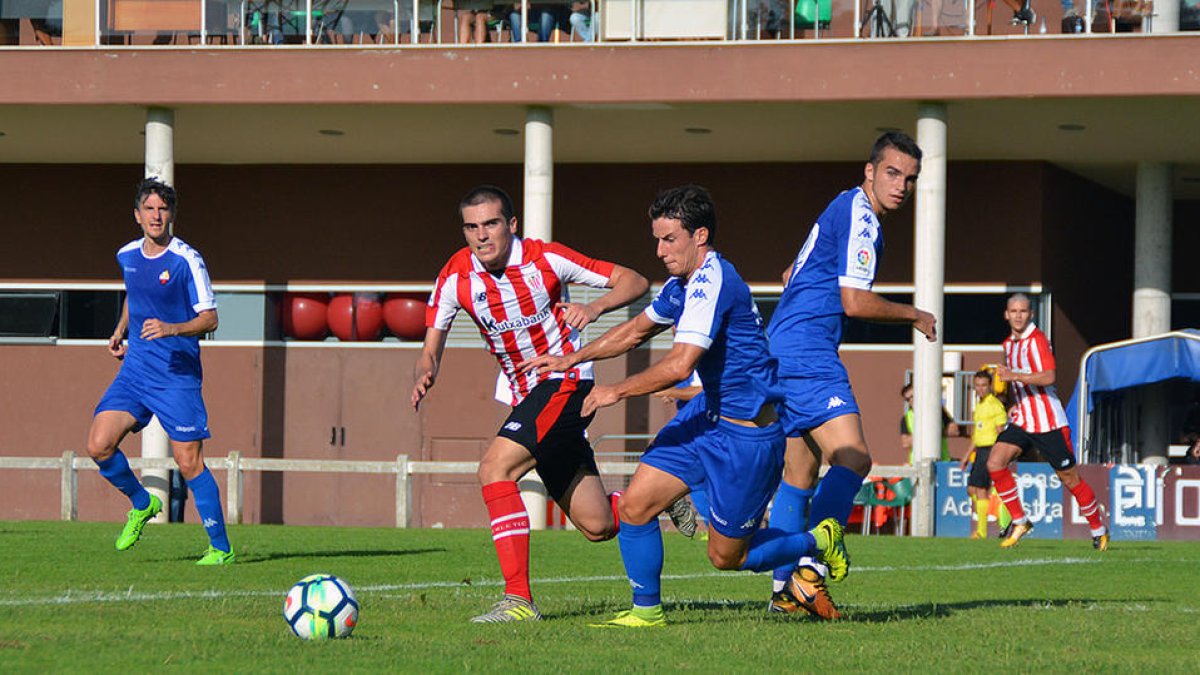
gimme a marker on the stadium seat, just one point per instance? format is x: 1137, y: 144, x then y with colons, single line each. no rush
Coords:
x: 860, y: 504
x: 896, y: 493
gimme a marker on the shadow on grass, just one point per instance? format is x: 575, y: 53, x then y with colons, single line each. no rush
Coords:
x: 734, y: 610
x: 252, y: 558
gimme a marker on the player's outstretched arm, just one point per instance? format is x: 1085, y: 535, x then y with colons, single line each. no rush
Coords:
x: 626, y: 286
x: 674, y: 368
x: 1044, y: 378
x: 116, y: 343
x: 426, y: 369
x: 204, y: 322
x: 615, y: 341
x: 870, y: 306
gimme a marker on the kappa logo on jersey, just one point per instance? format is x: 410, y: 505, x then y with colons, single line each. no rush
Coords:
x: 834, y: 402
x: 513, y: 426
x: 750, y: 524
x: 701, y: 279
x: 866, y: 234
x: 699, y: 294
x: 865, y: 217
x: 164, y: 277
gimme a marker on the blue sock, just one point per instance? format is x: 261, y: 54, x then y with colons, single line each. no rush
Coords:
x: 116, y: 470
x: 208, y: 505
x: 834, y: 497
x: 771, y: 548
x: 789, y: 513
x: 700, y: 501
x: 642, y: 553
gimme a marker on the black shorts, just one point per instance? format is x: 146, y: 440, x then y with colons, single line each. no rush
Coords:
x: 547, y: 423
x: 980, y: 477
x: 1054, y: 446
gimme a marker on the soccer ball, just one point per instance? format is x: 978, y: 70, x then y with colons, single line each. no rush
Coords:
x: 321, y: 607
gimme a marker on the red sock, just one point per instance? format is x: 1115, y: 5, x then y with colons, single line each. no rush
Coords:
x: 1087, y: 504
x: 510, y: 534
x: 1006, y: 487
x: 613, y: 498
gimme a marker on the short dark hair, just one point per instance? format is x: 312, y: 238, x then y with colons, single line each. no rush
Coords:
x: 154, y: 186
x: 905, y: 388
x: 691, y: 205
x: 894, y: 139
x: 487, y: 193
x: 983, y: 374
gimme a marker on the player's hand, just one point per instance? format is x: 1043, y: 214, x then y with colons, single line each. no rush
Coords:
x: 548, y: 362
x: 422, y: 386
x: 152, y: 329
x: 576, y: 314
x: 600, y: 397
x: 926, y: 324
x: 666, y: 396
x: 1005, y: 374
x: 117, y: 347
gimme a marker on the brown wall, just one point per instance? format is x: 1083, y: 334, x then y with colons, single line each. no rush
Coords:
x: 1012, y: 222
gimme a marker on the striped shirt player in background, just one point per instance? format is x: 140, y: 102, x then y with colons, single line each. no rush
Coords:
x: 515, y: 290
x: 831, y: 278
x: 728, y: 437
x: 169, y: 304
x: 1038, y: 421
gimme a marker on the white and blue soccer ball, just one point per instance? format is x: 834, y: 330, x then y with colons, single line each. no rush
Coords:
x: 321, y: 607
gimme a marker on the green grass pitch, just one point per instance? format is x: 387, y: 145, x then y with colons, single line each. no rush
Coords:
x: 73, y: 603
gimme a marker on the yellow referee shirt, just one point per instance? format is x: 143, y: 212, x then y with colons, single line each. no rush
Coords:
x: 989, y: 415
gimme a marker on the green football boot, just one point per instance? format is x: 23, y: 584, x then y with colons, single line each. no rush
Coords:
x: 137, y: 520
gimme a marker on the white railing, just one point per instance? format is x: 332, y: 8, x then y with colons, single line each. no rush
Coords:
x: 235, y: 466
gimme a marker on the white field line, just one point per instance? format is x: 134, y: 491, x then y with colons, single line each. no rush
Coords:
x: 73, y: 597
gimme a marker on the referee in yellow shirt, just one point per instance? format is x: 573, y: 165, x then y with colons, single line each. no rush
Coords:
x: 990, y: 419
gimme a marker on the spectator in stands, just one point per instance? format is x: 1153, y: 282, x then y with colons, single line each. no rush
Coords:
x: 581, y: 20
x: 949, y: 428
x: 472, y: 20
x: 551, y: 18
x: 1191, y: 433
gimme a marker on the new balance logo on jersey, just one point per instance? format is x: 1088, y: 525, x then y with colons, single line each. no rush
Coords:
x: 1064, y: 463
x: 513, y: 426
x: 834, y: 402
x: 481, y: 296
x: 699, y: 294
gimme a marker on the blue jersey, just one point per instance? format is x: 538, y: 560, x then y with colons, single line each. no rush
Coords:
x: 172, y: 287
x: 842, y: 250
x: 713, y: 310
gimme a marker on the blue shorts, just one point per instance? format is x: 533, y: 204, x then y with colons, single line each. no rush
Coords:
x: 740, y: 467
x: 813, y: 401
x: 180, y: 411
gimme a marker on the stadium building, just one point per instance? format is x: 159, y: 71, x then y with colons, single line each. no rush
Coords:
x: 314, y: 158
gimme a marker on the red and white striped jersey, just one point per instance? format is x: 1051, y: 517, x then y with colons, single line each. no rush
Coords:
x: 1038, y: 409
x: 515, y: 311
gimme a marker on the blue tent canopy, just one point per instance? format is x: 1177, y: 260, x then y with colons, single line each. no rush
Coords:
x: 1171, y: 356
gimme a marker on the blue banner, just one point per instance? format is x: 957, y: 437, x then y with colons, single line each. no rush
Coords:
x: 1041, y: 495
x: 1135, y: 494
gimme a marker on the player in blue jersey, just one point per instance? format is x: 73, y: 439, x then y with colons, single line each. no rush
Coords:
x: 731, y: 440
x: 830, y: 279
x: 169, y: 304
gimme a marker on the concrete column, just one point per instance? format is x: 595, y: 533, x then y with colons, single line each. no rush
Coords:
x: 539, y: 173
x: 160, y: 164
x: 1166, y: 17
x: 1152, y: 294
x: 929, y: 280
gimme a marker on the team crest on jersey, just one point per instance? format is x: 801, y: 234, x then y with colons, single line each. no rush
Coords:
x: 534, y: 281
x: 164, y: 277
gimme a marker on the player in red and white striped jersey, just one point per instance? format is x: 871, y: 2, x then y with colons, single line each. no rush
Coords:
x: 515, y: 290
x: 1038, y: 421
